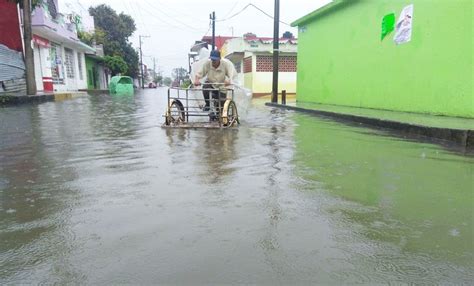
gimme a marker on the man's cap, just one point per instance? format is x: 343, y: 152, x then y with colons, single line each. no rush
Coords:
x: 215, y: 55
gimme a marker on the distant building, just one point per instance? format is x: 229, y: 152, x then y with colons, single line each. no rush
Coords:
x: 59, y: 55
x: 253, y: 60
x: 98, y: 76
x: 219, y: 41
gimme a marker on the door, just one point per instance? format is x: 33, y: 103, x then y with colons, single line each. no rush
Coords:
x: 71, y: 80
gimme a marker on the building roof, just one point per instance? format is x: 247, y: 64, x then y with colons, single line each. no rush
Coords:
x: 267, y: 40
x: 220, y: 40
x: 320, y: 11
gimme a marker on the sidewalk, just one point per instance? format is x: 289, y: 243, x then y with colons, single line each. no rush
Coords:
x: 13, y: 99
x: 453, y: 129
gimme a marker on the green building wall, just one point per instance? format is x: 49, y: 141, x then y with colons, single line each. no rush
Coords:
x: 92, y: 73
x: 342, y: 61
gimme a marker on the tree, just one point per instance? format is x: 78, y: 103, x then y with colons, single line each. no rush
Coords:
x: 288, y: 35
x: 167, y: 81
x: 158, y: 79
x: 98, y: 36
x: 115, y: 64
x: 180, y: 73
x: 117, y: 29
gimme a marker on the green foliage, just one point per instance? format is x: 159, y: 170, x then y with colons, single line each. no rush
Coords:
x: 288, y: 35
x: 180, y: 73
x: 130, y: 56
x: 186, y: 83
x: 117, y: 28
x: 115, y: 64
x: 158, y: 79
x: 167, y: 81
x: 97, y: 37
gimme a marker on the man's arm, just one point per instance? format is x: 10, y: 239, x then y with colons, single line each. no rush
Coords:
x: 231, y: 72
x: 201, y: 73
x: 197, y: 79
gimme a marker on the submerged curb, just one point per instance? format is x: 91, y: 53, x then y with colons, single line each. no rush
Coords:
x: 463, y: 137
x: 6, y: 100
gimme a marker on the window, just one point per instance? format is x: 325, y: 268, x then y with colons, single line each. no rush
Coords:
x: 238, y: 67
x: 285, y: 64
x: 57, y: 71
x: 79, y: 62
x: 247, y: 64
x: 69, y: 62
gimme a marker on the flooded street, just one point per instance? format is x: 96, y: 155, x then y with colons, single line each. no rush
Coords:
x: 94, y: 191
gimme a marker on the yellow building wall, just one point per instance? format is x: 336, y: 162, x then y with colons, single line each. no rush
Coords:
x: 262, y: 82
x: 248, y: 81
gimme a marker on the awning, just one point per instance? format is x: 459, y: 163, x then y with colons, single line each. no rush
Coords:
x: 53, y: 36
x: 235, y: 57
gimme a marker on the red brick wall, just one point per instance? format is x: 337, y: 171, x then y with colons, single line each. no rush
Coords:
x: 9, y: 26
x: 247, y: 64
x: 285, y: 64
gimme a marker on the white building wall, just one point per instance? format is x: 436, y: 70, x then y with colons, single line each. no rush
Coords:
x: 38, y: 69
x: 58, y: 86
x: 81, y: 70
x: 102, y: 77
x: 75, y: 82
x: 42, y: 62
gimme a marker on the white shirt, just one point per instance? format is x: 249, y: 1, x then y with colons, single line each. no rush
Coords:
x: 225, y: 70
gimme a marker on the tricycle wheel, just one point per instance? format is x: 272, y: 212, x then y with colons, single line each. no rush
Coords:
x: 230, y: 116
x: 175, y: 113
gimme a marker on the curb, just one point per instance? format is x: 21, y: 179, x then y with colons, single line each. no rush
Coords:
x: 6, y: 100
x: 463, y: 137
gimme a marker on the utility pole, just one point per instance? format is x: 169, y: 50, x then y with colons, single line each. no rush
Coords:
x: 141, y: 60
x: 213, y: 18
x: 29, y: 57
x: 276, y: 32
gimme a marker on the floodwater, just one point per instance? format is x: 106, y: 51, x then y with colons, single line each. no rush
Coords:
x: 94, y: 191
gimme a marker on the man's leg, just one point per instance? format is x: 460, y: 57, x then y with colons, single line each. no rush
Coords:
x: 219, y: 100
x: 215, y: 102
x: 206, y: 94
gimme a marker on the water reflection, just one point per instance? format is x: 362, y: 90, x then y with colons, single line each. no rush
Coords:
x: 114, y: 116
x: 270, y: 242
x: 34, y: 200
x: 215, y: 151
x: 414, y: 196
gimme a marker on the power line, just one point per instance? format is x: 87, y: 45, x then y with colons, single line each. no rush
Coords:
x: 159, y: 18
x: 141, y: 15
x: 173, y: 18
x: 251, y: 5
x: 180, y: 13
x: 132, y: 10
x: 232, y: 9
x: 210, y: 26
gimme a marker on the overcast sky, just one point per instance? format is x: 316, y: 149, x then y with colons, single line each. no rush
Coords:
x: 173, y: 26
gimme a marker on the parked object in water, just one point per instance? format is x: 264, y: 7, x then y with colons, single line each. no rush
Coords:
x: 185, y: 110
x: 121, y: 85
x: 152, y: 85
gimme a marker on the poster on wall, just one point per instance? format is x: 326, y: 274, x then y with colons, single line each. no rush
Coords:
x: 388, y: 25
x: 404, y: 26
